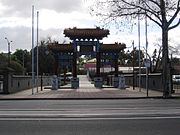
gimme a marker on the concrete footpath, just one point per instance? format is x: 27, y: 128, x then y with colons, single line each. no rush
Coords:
x: 85, y: 91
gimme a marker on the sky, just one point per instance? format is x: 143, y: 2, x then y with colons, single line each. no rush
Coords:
x: 55, y: 16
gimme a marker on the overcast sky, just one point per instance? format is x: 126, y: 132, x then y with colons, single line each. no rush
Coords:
x: 55, y: 16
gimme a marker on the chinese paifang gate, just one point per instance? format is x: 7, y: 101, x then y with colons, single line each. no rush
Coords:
x: 86, y: 42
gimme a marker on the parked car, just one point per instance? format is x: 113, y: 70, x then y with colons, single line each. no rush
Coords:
x: 176, y: 79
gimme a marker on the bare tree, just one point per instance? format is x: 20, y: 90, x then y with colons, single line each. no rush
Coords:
x: 162, y: 12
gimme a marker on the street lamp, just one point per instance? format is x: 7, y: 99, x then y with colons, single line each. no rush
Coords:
x: 9, y: 43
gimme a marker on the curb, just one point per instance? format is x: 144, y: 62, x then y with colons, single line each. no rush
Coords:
x: 118, y: 98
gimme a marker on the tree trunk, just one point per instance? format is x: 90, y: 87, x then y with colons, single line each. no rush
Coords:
x: 166, y: 75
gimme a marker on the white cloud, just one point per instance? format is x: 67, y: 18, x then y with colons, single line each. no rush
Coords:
x: 15, y: 22
x: 51, y: 19
x: 55, y: 15
x: 174, y: 35
x: 23, y: 7
x: 21, y: 37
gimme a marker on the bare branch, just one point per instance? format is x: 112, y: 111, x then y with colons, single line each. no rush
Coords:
x: 150, y: 10
x: 155, y: 2
x: 156, y: 14
x: 174, y: 26
x: 155, y: 10
x: 154, y: 20
x: 175, y: 15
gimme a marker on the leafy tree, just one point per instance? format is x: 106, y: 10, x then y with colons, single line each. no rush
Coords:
x: 156, y: 60
x: 122, y: 58
x: 162, y: 12
x: 88, y: 57
x: 18, y: 56
x: 45, y: 58
x: 14, y: 66
x: 81, y: 62
x: 23, y: 57
x: 133, y: 56
x: 3, y: 61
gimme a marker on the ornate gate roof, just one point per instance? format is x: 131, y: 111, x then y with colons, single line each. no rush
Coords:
x: 117, y: 47
x: 86, y: 33
x: 61, y: 47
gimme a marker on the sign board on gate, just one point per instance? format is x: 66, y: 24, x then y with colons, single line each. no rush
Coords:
x: 86, y: 48
x: 86, y: 43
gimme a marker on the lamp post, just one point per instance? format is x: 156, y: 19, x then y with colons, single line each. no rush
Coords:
x: 9, y: 44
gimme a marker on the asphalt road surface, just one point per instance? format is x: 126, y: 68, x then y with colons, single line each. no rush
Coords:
x: 90, y: 117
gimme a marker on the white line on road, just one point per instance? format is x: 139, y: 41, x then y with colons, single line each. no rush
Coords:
x: 92, y: 109
x: 89, y: 119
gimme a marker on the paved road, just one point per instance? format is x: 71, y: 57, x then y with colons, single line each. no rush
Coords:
x: 87, y: 117
x: 92, y: 127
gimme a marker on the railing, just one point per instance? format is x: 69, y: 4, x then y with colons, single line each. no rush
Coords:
x: 176, y: 87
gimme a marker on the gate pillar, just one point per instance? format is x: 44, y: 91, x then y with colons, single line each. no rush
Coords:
x: 75, y: 79
x: 116, y: 74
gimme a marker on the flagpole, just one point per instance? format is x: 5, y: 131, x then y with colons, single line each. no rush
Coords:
x: 139, y: 40
x: 146, y: 55
x: 37, y: 50
x: 33, y: 50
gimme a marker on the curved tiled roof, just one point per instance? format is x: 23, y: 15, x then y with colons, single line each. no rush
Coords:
x: 60, y: 47
x: 117, y: 47
x: 87, y: 33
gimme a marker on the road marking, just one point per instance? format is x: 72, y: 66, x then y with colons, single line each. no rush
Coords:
x: 89, y: 119
x: 96, y: 109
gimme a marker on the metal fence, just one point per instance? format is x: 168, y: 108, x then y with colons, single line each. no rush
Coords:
x: 176, y: 87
